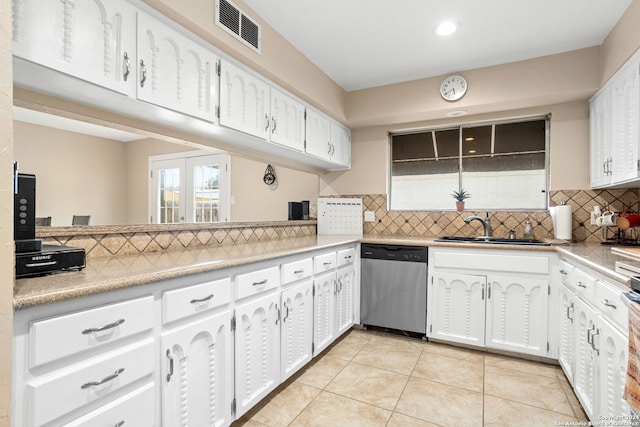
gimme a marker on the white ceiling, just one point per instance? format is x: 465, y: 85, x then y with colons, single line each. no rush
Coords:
x: 367, y: 43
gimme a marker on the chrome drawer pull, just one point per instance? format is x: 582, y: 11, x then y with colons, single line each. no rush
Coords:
x: 582, y: 285
x: 327, y: 263
x: 299, y: 271
x: 347, y: 257
x: 143, y: 73
x: 106, y: 379
x: 197, y: 300
x: 608, y: 304
x: 103, y: 328
x: 119, y: 424
x: 563, y: 272
x: 262, y: 282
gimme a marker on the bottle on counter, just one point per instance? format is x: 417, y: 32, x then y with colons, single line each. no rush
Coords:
x: 528, y: 230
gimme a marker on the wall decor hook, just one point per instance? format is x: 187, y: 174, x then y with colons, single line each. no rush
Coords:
x: 269, y: 175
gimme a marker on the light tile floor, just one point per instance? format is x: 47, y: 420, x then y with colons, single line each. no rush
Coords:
x: 372, y: 379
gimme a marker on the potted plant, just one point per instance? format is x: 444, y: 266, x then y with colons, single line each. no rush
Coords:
x: 460, y: 197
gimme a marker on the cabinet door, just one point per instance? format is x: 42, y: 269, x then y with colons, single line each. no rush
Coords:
x: 613, y: 349
x: 586, y: 359
x: 517, y: 314
x: 244, y: 101
x: 257, y: 344
x: 567, y: 333
x: 174, y: 72
x: 197, y: 384
x: 625, y: 114
x: 600, y: 124
x: 296, y: 328
x: 92, y: 40
x: 344, y: 299
x: 287, y: 121
x: 340, y: 145
x: 324, y: 311
x: 318, y: 135
x: 457, y: 305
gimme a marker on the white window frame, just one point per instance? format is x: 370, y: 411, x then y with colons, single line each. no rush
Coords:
x: 225, y: 182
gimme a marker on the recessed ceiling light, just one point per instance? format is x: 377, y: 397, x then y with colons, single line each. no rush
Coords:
x: 446, y: 28
x: 469, y: 138
x: 456, y: 113
x: 472, y: 151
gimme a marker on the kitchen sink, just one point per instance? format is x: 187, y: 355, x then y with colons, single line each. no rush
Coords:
x: 492, y: 240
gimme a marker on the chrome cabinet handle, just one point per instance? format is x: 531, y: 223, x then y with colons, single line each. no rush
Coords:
x: 488, y: 290
x: 286, y: 315
x: 274, y: 125
x: 106, y: 379
x: 327, y: 263
x: 103, y: 328
x: 483, y: 292
x: 119, y: 424
x: 277, y: 314
x: 170, y: 374
x: 608, y: 304
x: 262, y: 282
x: 328, y: 148
x: 143, y: 73
x: 347, y: 257
x: 127, y: 70
x: 266, y: 122
x: 563, y: 272
x: 582, y: 285
x: 593, y: 344
x: 570, y: 308
x: 299, y: 271
x: 197, y: 300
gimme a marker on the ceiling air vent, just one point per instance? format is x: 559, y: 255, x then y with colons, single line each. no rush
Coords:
x: 238, y: 24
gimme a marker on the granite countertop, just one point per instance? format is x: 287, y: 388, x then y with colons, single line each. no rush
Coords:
x: 118, y: 272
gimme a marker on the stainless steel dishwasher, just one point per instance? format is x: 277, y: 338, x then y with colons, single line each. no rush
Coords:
x: 394, y: 287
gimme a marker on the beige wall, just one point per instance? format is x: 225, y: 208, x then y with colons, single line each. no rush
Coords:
x: 254, y: 200
x: 76, y: 174
x: 6, y: 213
x: 621, y: 42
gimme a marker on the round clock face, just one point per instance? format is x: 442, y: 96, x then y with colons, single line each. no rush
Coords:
x: 453, y: 88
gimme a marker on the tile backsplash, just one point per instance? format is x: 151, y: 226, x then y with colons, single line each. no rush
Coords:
x: 446, y: 223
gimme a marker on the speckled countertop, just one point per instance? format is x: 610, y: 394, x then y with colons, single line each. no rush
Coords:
x: 119, y: 272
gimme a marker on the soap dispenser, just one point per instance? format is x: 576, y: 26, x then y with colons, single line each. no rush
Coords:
x: 528, y: 230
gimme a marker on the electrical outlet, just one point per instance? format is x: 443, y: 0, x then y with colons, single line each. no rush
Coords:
x: 369, y: 216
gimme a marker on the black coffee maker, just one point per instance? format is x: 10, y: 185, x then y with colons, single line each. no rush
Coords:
x: 24, y: 212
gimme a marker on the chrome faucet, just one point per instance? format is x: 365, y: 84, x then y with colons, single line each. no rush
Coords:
x: 486, y: 223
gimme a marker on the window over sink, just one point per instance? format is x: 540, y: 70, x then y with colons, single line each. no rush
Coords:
x: 501, y: 165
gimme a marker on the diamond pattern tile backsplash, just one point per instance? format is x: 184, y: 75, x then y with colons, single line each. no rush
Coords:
x: 447, y: 223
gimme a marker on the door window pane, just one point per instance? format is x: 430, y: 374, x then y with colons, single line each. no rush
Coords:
x: 169, y: 192
x: 206, y: 193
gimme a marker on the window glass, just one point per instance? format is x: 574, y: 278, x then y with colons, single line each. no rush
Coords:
x: 502, y: 166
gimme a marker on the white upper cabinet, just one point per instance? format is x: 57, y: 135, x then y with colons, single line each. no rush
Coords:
x: 615, y: 129
x: 341, y: 145
x: 244, y: 101
x: 287, y: 120
x: 174, y: 71
x: 93, y: 40
x: 318, y: 135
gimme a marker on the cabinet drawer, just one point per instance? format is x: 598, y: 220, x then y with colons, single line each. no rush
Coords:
x: 491, y: 261
x: 190, y: 300
x: 257, y: 281
x: 297, y: 270
x: 62, y: 336
x: 322, y: 263
x: 566, y: 273
x: 584, y: 285
x: 609, y: 303
x: 346, y: 256
x: 133, y: 409
x: 54, y: 395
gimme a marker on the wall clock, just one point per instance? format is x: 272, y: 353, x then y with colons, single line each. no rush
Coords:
x: 453, y: 87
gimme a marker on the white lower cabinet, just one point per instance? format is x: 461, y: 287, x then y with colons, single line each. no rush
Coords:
x: 257, y: 350
x: 296, y: 328
x: 345, y: 283
x: 594, y: 342
x: 457, y: 308
x: 567, y: 343
x: 197, y: 373
x: 324, y: 306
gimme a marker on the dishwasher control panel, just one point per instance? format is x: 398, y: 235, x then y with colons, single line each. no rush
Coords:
x: 394, y: 252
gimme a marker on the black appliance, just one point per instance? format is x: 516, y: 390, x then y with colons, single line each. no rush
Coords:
x: 49, y: 259
x: 295, y: 210
x: 305, y: 209
x: 32, y: 257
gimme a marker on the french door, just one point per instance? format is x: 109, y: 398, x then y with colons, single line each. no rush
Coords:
x: 189, y: 189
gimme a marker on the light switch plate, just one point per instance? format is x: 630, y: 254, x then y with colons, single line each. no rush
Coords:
x: 369, y: 216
